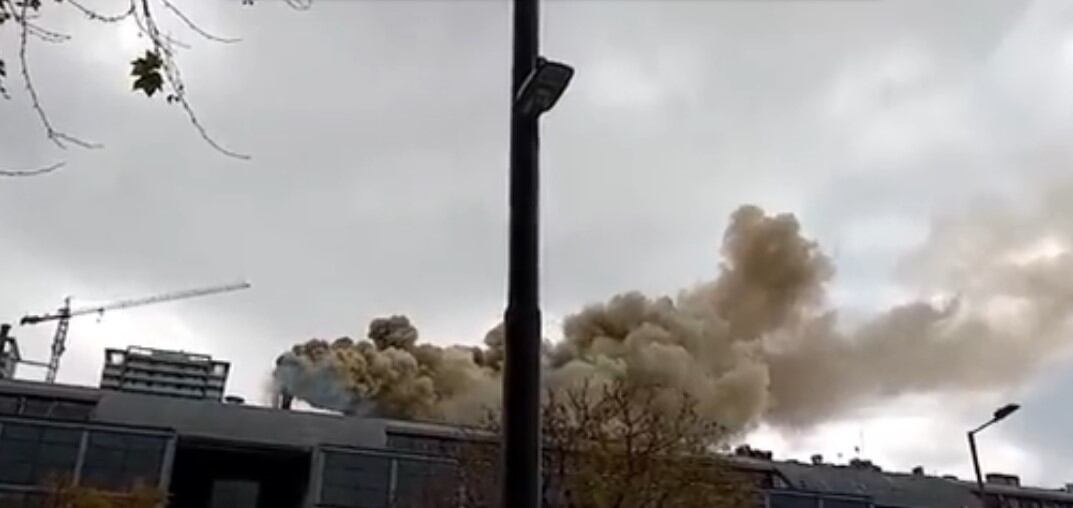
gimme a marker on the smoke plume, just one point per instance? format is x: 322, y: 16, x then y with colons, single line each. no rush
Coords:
x: 758, y: 343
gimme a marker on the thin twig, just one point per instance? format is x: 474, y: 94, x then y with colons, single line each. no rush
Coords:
x: 44, y: 33
x: 31, y: 172
x: 96, y: 16
x: 155, y: 33
x: 193, y: 26
x: 56, y: 136
x: 300, y: 5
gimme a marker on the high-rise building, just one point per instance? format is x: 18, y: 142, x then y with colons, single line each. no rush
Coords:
x: 9, y: 353
x: 161, y: 372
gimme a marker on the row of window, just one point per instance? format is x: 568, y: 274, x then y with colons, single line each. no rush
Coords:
x: 425, y: 445
x: 355, y: 480
x: 192, y: 381
x: 162, y: 386
x: 800, y: 500
x: 34, y: 455
x: 41, y: 407
x: 216, y: 369
x: 1013, y: 502
x: 23, y: 500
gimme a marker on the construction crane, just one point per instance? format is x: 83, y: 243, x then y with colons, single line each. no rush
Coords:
x: 64, y: 314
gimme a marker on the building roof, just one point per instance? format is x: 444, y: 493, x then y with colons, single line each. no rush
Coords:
x: 1062, y: 495
x: 216, y: 421
x: 886, y: 489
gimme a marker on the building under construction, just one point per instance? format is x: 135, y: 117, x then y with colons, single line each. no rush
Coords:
x: 208, y: 453
x: 169, y: 373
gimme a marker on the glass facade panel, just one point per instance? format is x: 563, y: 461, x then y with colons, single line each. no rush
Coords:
x: 34, y: 455
x: 121, y: 461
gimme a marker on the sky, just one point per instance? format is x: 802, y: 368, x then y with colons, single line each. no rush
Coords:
x: 377, y: 181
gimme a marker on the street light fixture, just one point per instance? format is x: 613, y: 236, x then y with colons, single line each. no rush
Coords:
x: 542, y: 87
x: 998, y: 415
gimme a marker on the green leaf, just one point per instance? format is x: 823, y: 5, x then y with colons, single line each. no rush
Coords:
x: 146, y: 73
x: 149, y: 83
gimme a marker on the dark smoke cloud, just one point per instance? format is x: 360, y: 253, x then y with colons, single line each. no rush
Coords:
x: 757, y: 343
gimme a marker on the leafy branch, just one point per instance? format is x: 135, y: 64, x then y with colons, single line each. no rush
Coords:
x: 155, y: 71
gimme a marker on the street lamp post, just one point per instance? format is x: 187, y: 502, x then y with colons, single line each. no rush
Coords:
x: 999, y: 414
x: 536, y: 85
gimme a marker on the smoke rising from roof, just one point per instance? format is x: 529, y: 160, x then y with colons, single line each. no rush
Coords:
x: 758, y: 343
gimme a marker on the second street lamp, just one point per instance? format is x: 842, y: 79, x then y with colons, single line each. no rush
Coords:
x: 998, y: 415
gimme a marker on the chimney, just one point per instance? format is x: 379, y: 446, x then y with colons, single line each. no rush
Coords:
x: 1003, y: 479
x: 918, y: 471
x: 755, y: 453
x: 864, y: 464
x: 816, y: 459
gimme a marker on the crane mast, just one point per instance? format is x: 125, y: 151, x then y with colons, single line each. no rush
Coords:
x: 63, y: 316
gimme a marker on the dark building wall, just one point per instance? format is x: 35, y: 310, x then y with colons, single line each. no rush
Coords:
x: 210, y: 453
x: 35, y: 452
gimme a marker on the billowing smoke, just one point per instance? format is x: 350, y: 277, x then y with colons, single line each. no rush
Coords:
x: 759, y: 342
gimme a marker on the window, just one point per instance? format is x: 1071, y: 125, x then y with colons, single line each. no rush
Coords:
x: 423, y: 444
x: 33, y: 406
x: 354, y: 480
x: 119, y: 461
x: 234, y: 493
x: 40, y: 407
x: 21, y: 500
x: 65, y: 410
x: 32, y: 454
x: 419, y: 481
x: 787, y: 500
x: 9, y: 405
x: 845, y: 503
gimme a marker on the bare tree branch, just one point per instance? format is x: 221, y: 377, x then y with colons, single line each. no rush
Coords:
x: 193, y: 26
x: 153, y: 34
x: 45, y: 34
x: 175, y: 82
x: 300, y: 5
x: 96, y: 16
x: 26, y: 13
x: 56, y: 136
x: 31, y: 172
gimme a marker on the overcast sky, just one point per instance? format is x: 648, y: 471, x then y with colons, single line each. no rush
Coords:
x: 377, y: 185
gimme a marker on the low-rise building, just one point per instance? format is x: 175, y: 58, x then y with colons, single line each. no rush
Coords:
x: 207, y: 453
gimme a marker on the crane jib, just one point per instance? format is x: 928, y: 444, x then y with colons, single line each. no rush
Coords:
x: 64, y: 314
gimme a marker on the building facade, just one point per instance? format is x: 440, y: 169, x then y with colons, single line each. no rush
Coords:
x: 206, y: 453
x: 168, y: 373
